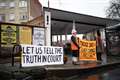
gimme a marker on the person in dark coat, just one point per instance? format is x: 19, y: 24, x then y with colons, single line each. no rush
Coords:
x: 99, y: 45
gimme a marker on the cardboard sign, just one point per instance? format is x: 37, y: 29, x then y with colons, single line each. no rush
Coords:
x: 33, y: 55
x: 8, y: 34
x: 38, y: 36
x: 25, y: 35
x: 87, y: 50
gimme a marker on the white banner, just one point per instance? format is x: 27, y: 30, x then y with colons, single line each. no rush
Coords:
x: 33, y: 55
x: 38, y: 36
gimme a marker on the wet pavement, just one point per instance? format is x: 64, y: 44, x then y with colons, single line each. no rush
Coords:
x: 102, y: 74
x: 86, y: 71
x: 108, y: 69
x: 89, y: 70
x: 109, y: 75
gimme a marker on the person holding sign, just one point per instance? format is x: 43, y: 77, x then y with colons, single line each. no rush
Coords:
x: 75, y: 46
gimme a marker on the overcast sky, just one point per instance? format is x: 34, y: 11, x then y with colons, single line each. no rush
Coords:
x: 89, y: 7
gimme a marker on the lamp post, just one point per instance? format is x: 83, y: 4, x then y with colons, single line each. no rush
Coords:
x: 48, y: 3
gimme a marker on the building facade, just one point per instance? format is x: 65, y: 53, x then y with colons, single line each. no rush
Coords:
x: 19, y: 11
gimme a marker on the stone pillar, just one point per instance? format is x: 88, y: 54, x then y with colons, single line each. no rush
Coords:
x: 60, y: 38
x: 66, y: 37
x: 48, y: 28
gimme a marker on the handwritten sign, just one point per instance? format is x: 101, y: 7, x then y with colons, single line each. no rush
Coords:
x: 38, y: 36
x: 8, y: 34
x: 25, y: 35
x: 87, y: 50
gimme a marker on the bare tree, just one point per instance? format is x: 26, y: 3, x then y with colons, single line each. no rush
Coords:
x: 113, y: 11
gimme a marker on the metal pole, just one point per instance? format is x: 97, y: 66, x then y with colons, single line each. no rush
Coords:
x: 12, y: 59
x: 0, y: 39
x: 106, y: 42
x: 48, y: 4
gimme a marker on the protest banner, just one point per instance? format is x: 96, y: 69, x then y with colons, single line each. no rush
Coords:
x: 33, y: 55
x: 87, y: 50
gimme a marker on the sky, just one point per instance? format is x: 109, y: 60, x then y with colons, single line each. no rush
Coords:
x: 88, y: 7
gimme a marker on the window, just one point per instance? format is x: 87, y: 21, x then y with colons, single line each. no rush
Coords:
x: 3, y: 5
x: 2, y: 17
x: 12, y: 17
x: 23, y: 16
x: 12, y: 4
x: 23, y: 4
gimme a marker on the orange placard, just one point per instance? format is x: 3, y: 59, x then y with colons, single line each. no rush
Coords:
x: 87, y: 50
x: 25, y: 35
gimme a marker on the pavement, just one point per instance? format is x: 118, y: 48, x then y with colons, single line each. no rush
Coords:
x: 65, y: 70
x: 83, y: 67
x: 68, y: 70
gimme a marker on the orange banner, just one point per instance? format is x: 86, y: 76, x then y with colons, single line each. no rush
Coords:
x: 87, y: 50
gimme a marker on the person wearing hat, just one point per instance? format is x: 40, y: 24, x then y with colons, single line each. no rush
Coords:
x: 75, y: 47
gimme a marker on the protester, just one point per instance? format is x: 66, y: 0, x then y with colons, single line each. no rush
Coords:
x: 84, y: 37
x: 67, y: 52
x: 17, y: 49
x: 75, y: 46
x: 16, y: 55
x: 99, y: 47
